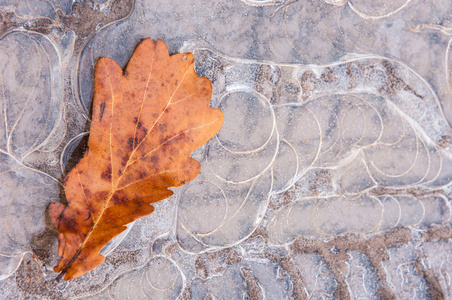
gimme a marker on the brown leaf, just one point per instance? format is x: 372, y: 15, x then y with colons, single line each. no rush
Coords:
x: 146, y: 122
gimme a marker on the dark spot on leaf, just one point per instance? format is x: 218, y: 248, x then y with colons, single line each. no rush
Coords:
x: 102, y: 109
x: 87, y: 192
x: 60, y: 217
x: 106, y: 174
x: 162, y: 127
x: 101, y: 195
x: 124, y: 160
x: 130, y: 143
x: 118, y: 198
x: 141, y: 134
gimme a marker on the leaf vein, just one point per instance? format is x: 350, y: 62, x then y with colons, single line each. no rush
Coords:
x: 111, y: 122
x: 173, y: 137
x: 150, y: 176
x: 142, y: 101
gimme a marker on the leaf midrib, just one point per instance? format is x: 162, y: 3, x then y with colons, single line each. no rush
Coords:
x: 114, y: 185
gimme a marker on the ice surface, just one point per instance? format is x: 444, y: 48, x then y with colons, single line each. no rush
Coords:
x: 331, y: 176
x: 32, y: 120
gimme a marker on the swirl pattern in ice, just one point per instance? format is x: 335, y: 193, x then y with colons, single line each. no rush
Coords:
x: 32, y: 121
x: 368, y: 129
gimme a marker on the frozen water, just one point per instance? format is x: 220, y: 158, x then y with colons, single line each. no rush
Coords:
x: 331, y: 176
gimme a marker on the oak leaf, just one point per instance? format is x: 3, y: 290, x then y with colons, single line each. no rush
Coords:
x: 146, y: 122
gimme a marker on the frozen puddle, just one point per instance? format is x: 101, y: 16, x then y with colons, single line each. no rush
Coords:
x: 330, y: 179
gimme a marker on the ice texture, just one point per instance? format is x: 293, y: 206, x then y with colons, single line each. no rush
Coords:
x: 330, y: 178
